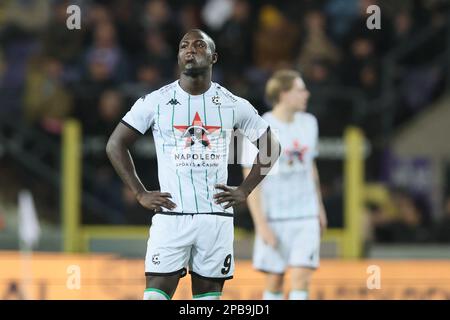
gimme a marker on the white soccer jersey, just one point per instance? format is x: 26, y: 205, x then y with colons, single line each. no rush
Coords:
x: 192, y: 136
x: 289, y: 192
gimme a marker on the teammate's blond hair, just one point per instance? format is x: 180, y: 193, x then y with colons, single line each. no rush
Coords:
x: 280, y: 81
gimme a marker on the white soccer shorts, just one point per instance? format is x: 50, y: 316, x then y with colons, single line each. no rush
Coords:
x: 298, y: 246
x: 202, y: 242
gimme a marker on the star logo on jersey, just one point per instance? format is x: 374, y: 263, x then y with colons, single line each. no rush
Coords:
x: 297, y: 152
x: 197, y: 132
x: 173, y: 102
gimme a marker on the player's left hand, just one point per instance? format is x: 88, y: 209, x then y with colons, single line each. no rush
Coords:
x: 231, y: 196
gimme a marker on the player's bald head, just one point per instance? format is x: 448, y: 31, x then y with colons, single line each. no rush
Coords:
x: 203, y: 35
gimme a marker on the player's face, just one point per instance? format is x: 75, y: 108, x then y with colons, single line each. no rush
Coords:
x: 296, y: 98
x: 194, y: 53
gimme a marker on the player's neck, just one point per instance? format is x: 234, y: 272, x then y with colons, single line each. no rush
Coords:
x: 195, y: 85
x: 283, y: 114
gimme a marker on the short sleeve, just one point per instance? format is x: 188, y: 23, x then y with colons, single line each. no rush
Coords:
x: 249, y: 122
x: 141, y: 115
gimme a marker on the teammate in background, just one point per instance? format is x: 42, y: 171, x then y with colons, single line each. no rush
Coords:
x: 287, y: 208
x: 192, y: 120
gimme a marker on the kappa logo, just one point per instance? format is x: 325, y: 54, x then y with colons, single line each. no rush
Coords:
x: 155, y: 259
x: 173, y: 102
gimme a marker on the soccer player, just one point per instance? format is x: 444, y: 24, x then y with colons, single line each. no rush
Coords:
x: 287, y: 207
x: 192, y: 120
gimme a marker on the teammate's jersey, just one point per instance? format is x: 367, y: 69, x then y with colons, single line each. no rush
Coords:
x: 288, y: 192
x: 192, y: 136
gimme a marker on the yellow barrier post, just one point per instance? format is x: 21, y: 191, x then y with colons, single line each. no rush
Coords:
x: 71, y: 185
x: 353, y: 198
x: 77, y: 239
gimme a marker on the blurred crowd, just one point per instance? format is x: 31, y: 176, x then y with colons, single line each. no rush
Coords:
x: 404, y: 217
x: 127, y: 48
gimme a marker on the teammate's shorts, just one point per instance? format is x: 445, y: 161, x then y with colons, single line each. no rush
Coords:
x: 298, y: 246
x: 202, y: 242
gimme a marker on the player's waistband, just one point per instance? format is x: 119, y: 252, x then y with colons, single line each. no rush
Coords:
x: 172, y: 213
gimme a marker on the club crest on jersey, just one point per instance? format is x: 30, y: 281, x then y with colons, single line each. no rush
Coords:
x: 197, y: 132
x: 155, y: 259
x: 173, y: 102
x: 215, y: 100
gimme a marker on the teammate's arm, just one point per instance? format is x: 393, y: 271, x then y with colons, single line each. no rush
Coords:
x: 259, y: 218
x: 322, y: 213
x: 266, y: 158
x: 118, y: 152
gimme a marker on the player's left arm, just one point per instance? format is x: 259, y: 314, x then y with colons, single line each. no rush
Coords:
x: 322, y: 213
x: 269, y: 152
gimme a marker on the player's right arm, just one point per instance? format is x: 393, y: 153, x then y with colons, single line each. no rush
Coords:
x: 118, y: 150
x: 262, y: 227
x: 136, y: 122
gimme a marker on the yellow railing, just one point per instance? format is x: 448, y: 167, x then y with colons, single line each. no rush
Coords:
x: 110, y: 232
x: 77, y: 237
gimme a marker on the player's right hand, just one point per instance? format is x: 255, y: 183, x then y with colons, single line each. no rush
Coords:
x: 154, y: 200
x: 267, y: 235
